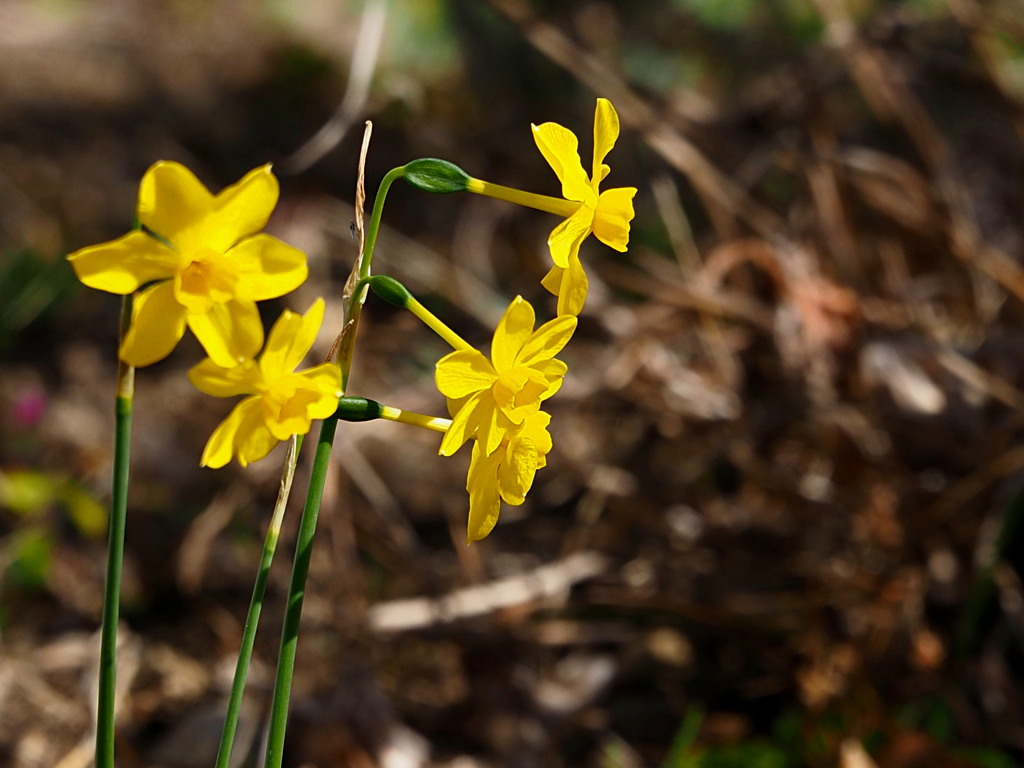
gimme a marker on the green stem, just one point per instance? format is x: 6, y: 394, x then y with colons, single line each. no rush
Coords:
x: 227, y: 739
x: 378, y: 208
x: 311, y: 510
x: 355, y: 304
x: 115, y: 555
x: 296, y: 594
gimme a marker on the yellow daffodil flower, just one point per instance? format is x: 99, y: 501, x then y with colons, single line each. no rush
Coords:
x: 207, y: 261
x: 283, y: 402
x: 506, y: 474
x: 607, y: 214
x: 489, y: 397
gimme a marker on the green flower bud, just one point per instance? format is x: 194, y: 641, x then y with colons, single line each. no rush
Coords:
x: 389, y: 289
x: 439, y: 176
x: 358, y: 409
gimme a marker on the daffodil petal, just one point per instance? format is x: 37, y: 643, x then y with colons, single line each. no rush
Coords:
x: 218, y: 381
x: 463, y: 372
x: 547, y: 341
x: 172, y: 200
x: 158, y: 323
x: 122, y: 265
x: 572, y: 293
x: 612, y: 216
x: 254, y: 440
x: 512, y: 333
x: 535, y: 427
x: 229, y: 332
x: 267, y: 268
x: 565, y: 239
x: 221, y: 445
x: 606, y: 133
x: 516, y: 472
x: 325, y: 380
x: 552, y: 281
x: 489, y: 433
x: 292, y: 416
x: 484, y: 499
x: 242, y: 209
x: 561, y: 149
x: 465, y: 422
x: 291, y: 339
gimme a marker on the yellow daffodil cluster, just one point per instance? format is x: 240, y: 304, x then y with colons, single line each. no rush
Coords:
x: 199, y: 261
x: 497, y: 402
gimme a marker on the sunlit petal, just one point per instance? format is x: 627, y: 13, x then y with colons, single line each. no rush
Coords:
x: 463, y: 372
x: 512, y: 332
x: 267, y: 268
x: 464, y: 423
x: 158, y: 323
x: 566, y: 238
x: 547, y: 341
x: 291, y: 339
x: 122, y: 265
x: 561, y: 149
x: 325, y: 381
x: 292, y: 416
x: 490, y: 430
x: 229, y: 332
x: 516, y: 472
x: 254, y: 439
x: 172, y: 200
x: 484, y: 499
x: 606, y: 133
x: 572, y: 293
x: 221, y: 445
x: 216, y: 380
x: 535, y: 427
x: 612, y: 217
x: 552, y: 281
x: 242, y: 209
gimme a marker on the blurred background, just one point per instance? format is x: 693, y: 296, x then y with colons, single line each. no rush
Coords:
x: 782, y: 521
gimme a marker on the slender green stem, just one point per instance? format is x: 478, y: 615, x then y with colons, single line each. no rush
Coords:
x: 311, y: 510
x: 227, y: 739
x: 355, y: 304
x: 115, y: 556
x: 378, y: 209
x: 296, y: 594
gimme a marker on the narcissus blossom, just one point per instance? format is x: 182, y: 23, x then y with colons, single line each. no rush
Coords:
x: 199, y: 262
x: 507, y: 473
x: 607, y: 214
x: 282, y: 402
x: 489, y: 397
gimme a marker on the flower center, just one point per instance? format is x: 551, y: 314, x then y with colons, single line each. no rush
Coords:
x: 196, y: 278
x: 207, y: 279
x: 518, y: 387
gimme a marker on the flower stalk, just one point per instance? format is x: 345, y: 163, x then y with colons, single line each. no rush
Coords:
x: 555, y: 205
x: 297, y: 593
x: 227, y: 739
x: 107, y: 687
